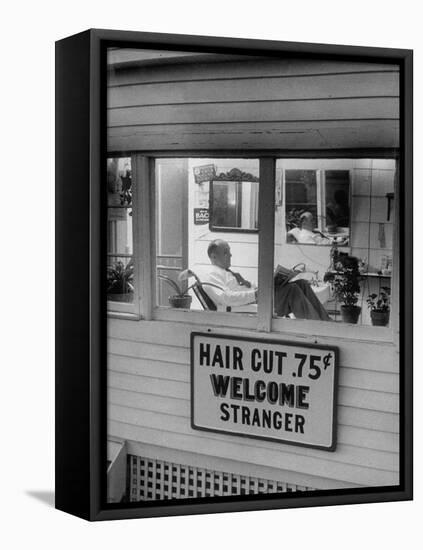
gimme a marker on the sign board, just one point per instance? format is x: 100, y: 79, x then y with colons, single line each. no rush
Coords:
x: 201, y: 216
x: 207, y: 172
x: 264, y: 389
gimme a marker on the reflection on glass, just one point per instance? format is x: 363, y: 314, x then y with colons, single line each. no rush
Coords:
x: 199, y: 201
x: 337, y: 192
x: 120, y: 279
x: 340, y: 203
x: 120, y: 265
x: 234, y: 205
x: 317, y: 207
x: 119, y: 181
x: 119, y: 231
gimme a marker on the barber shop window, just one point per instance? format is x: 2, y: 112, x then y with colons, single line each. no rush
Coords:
x: 206, y: 234
x: 121, y: 287
x: 330, y: 247
x: 334, y: 240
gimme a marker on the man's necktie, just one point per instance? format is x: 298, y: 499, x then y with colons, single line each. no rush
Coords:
x: 239, y: 278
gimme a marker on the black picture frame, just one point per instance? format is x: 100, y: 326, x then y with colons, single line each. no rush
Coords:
x: 80, y: 287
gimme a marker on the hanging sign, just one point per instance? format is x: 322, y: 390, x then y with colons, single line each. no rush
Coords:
x: 264, y: 389
x: 207, y: 172
x: 201, y: 216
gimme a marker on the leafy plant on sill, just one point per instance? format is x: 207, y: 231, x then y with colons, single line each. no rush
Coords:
x: 346, y: 285
x: 120, y: 278
x: 380, y: 302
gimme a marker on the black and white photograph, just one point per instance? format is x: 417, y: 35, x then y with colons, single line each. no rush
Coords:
x: 253, y: 274
x: 210, y: 298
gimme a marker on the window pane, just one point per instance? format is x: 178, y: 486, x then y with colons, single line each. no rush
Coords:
x: 187, y: 192
x: 300, y: 199
x: 119, y: 230
x: 120, y: 264
x: 120, y: 278
x: 337, y: 192
x: 119, y: 181
x: 342, y: 203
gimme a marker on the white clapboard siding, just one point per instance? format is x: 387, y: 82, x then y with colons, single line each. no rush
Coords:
x: 280, y: 135
x: 255, y: 104
x: 349, y: 435
x: 376, y: 421
x: 280, y: 89
x: 179, y: 425
x: 280, y: 111
x: 362, y: 475
x: 382, y: 357
x: 265, y: 68
x: 149, y: 397
x: 349, y: 377
x: 348, y: 397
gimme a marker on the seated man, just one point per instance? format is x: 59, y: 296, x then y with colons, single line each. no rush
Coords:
x: 306, y: 233
x: 295, y: 297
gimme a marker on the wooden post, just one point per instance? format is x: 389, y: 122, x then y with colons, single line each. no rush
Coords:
x: 266, y: 243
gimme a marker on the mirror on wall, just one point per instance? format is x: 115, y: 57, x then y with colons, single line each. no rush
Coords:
x: 234, y: 202
x: 317, y: 207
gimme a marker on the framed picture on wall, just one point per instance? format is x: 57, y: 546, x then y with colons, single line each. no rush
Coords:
x: 234, y: 274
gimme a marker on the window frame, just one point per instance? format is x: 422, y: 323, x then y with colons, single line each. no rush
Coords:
x: 264, y: 320
x: 128, y: 310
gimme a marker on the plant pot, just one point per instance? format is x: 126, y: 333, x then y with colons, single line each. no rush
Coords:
x: 350, y: 314
x: 379, y: 318
x: 180, y: 302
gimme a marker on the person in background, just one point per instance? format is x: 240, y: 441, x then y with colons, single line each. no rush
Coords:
x: 295, y: 297
x: 338, y: 211
x: 306, y: 233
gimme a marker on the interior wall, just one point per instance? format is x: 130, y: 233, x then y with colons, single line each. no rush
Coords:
x: 370, y: 236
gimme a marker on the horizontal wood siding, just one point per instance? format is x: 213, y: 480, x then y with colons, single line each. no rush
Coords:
x: 149, y: 404
x: 253, y: 104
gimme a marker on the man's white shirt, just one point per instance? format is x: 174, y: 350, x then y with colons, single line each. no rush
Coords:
x: 232, y: 294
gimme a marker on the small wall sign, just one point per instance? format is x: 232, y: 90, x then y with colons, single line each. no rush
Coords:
x: 264, y: 389
x: 201, y: 216
x: 207, y: 172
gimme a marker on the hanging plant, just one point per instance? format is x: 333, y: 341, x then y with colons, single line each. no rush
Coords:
x: 126, y: 194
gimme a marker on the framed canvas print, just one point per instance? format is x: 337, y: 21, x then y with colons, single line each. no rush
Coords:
x: 234, y: 283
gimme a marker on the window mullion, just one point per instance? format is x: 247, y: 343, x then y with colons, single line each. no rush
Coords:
x: 395, y: 279
x: 321, y: 199
x: 266, y: 222
x: 142, y: 234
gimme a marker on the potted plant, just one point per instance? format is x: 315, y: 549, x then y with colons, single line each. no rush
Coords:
x: 182, y: 300
x: 379, y: 305
x: 120, y: 282
x: 346, y: 286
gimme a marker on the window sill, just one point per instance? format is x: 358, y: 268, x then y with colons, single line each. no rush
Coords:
x: 344, y: 331
x: 211, y: 318
x: 295, y: 327
x: 123, y: 315
x: 122, y: 310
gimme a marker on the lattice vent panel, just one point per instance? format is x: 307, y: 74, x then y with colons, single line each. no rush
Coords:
x: 158, y: 480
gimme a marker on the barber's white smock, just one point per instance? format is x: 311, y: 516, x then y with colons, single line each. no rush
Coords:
x: 232, y: 294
